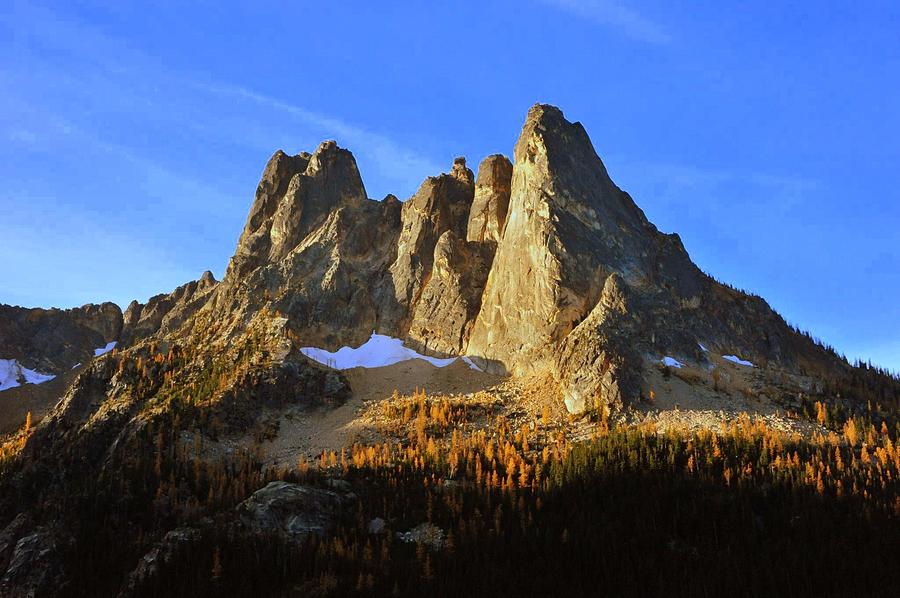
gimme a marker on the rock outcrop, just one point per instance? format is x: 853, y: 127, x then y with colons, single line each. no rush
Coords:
x: 441, y: 204
x: 568, y: 226
x: 292, y: 510
x: 34, y: 567
x: 163, y: 314
x: 315, y: 249
x: 54, y: 340
x: 255, y: 241
x: 442, y: 317
x: 598, y: 364
x: 491, y: 202
x: 573, y: 247
x: 173, y: 545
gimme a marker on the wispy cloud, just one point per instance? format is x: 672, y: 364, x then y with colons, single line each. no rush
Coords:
x: 615, y: 14
x: 775, y: 193
x: 392, y: 159
x: 114, y: 78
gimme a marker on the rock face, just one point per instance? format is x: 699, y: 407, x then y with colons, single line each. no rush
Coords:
x: 255, y: 242
x: 584, y: 286
x: 568, y: 226
x: 315, y: 248
x: 491, y: 202
x: 441, y: 204
x: 173, y: 545
x: 33, y: 568
x: 53, y: 344
x: 598, y: 364
x: 54, y: 340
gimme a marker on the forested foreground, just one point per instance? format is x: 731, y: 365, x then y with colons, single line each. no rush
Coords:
x: 519, y: 512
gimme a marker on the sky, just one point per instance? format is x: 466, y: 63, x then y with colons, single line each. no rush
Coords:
x: 132, y: 135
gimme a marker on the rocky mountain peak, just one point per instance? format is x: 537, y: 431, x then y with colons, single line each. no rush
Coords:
x: 441, y: 204
x: 207, y: 280
x: 254, y: 241
x: 461, y: 171
x: 567, y: 226
x: 295, y: 195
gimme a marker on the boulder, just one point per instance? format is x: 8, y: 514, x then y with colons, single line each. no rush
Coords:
x: 292, y: 510
x: 171, y: 547
x: 35, y: 567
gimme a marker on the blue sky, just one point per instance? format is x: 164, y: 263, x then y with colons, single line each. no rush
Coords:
x: 133, y: 134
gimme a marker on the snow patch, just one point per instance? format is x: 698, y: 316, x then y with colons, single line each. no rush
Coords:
x: 471, y: 364
x: 104, y: 350
x: 671, y: 362
x: 13, y: 374
x: 702, y: 348
x: 378, y: 351
x: 737, y: 360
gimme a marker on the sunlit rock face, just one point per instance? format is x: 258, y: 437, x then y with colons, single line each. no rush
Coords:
x: 451, y: 298
x: 567, y: 226
x: 598, y: 365
x: 315, y: 249
x: 441, y: 204
x: 583, y: 286
x: 491, y: 202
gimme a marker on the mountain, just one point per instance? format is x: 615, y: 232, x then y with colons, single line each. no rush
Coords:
x: 540, y: 271
x: 539, y: 265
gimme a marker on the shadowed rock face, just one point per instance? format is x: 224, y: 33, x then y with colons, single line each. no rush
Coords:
x: 54, y: 340
x: 292, y: 510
